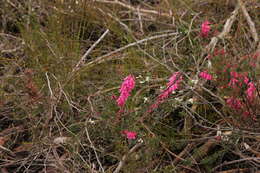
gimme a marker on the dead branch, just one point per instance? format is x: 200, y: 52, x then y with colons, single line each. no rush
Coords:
x: 184, y: 153
x: 105, y: 57
x: 82, y: 59
x: 204, y: 149
x: 249, y: 21
x: 241, y: 170
x: 235, y: 161
x: 94, y: 149
x: 122, y: 161
x: 227, y: 27
x: 136, y: 10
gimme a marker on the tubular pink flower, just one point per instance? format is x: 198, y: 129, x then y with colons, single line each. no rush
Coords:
x: 234, y: 74
x: 172, y: 85
x: 205, y: 28
x: 125, y: 90
x: 246, y: 114
x: 250, y: 91
x: 246, y: 80
x: 234, y: 103
x: 129, y: 134
x: 232, y: 83
x: 205, y: 75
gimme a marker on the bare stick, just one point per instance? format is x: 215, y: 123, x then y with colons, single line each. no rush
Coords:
x: 122, y: 162
x: 257, y: 53
x: 101, y: 58
x: 249, y: 21
x: 225, y: 31
x: 82, y: 59
x: 235, y: 162
x: 140, y: 20
x: 49, y: 84
x: 135, y: 9
x: 92, y: 146
x: 184, y: 152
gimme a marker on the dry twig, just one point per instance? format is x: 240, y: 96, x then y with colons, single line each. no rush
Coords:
x: 122, y: 161
x: 249, y: 21
x: 135, y: 9
x: 227, y: 27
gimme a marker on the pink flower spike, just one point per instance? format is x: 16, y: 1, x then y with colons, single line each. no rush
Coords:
x: 246, y: 114
x: 125, y: 90
x: 232, y: 82
x: 250, y: 91
x: 205, y: 28
x: 205, y: 75
x: 129, y: 134
x: 246, y: 80
x: 234, y: 103
x: 176, y: 77
x: 172, y: 85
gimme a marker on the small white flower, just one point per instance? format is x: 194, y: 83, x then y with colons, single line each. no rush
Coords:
x: 61, y: 140
x: 162, y: 88
x: 147, y: 78
x: 139, y: 76
x: 246, y: 146
x: 209, y: 64
x: 140, y: 140
x: 219, y: 133
x: 181, y: 91
x: 225, y: 138
x: 194, y: 81
x: 191, y: 100
x: 91, y: 121
x: 179, y: 99
x: 145, y: 99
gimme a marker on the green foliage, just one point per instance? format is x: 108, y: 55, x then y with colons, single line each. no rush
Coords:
x: 213, y: 159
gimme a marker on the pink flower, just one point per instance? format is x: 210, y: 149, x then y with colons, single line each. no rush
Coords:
x: 129, y: 134
x: 205, y: 28
x: 246, y: 80
x: 250, y: 91
x: 114, y: 97
x: 218, y: 138
x: 125, y: 90
x: 234, y: 103
x: 234, y: 74
x: 219, y: 52
x: 172, y: 85
x: 232, y: 82
x: 246, y: 114
x: 205, y: 75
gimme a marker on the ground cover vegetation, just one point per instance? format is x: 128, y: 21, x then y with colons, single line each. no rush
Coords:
x: 129, y: 86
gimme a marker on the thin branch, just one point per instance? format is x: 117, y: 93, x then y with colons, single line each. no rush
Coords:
x: 122, y: 162
x: 226, y: 30
x: 184, y: 153
x: 235, y: 161
x: 92, y: 146
x: 135, y: 9
x: 249, y: 21
x: 101, y: 58
x: 82, y: 59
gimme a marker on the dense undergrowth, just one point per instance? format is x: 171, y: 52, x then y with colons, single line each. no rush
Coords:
x: 190, y: 102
